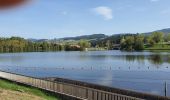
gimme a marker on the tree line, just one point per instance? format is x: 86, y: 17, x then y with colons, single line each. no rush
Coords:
x: 17, y: 44
x: 128, y: 42
x: 141, y: 41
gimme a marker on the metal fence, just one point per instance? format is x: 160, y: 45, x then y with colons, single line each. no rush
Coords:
x: 72, y: 90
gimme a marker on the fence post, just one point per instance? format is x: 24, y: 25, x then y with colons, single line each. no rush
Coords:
x: 165, y: 88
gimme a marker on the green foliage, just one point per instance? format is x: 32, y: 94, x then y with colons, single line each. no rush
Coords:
x: 139, y: 42
x: 129, y: 40
x: 159, y: 47
x: 110, y: 41
x: 12, y: 44
x: 157, y: 36
x: 123, y: 43
x: 167, y: 37
x: 84, y: 44
x: 17, y: 44
x: 155, y: 41
x: 127, y: 43
x: 131, y: 43
x: 150, y: 41
x: 108, y: 44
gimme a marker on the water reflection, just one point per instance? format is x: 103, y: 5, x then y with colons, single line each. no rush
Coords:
x: 12, y: 58
x: 132, y: 58
x: 154, y: 59
x: 87, y: 59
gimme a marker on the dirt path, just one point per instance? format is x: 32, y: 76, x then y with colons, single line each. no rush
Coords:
x: 16, y: 95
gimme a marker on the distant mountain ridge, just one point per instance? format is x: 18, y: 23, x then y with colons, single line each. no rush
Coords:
x: 96, y: 37
x: 37, y: 40
x: 165, y: 31
x: 86, y: 37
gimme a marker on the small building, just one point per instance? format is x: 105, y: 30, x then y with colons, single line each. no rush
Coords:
x: 116, y: 47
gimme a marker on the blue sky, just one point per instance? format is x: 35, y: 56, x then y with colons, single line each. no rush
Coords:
x: 65, y: 18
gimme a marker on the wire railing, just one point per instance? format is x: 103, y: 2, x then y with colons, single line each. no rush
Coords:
x: 78, y: 90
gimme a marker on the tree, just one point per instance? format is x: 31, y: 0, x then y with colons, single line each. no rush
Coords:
x: 150, y: 41
x: 17, y: 44
x: 167, y: 37
x: 122, y: 43
x: 139, y: 42
x: 157, y: 36
x: 84, y: 44
x: 108, y: 44
x: 129, y: 43
x: 134, y: 42
x: 45, y: 46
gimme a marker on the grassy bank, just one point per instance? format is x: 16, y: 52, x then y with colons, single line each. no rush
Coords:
x: 158, y: 47
x: 18, y: 92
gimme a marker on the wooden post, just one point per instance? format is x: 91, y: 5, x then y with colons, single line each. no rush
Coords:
x: 165, y: 89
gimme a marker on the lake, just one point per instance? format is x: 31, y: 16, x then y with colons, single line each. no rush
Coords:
x: 139, y: 71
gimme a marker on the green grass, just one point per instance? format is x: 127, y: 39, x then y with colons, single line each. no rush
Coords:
x: 158, y: 47
x: 30, y: 90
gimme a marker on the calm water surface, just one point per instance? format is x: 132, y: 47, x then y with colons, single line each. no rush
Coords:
x: 139, y: 71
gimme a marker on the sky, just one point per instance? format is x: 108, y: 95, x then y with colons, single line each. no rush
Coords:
x: 67, y: 18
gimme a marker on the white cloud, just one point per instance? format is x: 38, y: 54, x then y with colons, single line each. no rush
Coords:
x: 106, y: 12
